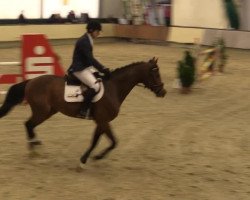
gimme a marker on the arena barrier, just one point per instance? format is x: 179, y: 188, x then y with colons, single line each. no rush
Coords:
x: 37, y: 58
x: 207, y: 62
x: 211, y: 60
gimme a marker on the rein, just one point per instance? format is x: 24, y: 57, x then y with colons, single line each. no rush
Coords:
x: 154, y: 86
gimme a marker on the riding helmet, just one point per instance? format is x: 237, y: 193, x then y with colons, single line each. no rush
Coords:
x: 94, y: 26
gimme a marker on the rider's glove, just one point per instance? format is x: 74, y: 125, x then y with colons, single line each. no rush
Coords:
x: 106, y: 72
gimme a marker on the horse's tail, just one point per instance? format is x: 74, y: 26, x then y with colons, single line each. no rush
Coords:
x: 14, y: 96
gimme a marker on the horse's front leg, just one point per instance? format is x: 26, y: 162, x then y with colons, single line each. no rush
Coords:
x: 110, y: 135
x: 98, y: 132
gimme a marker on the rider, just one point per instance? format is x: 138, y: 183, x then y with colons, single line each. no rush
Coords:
x: 83, y: 60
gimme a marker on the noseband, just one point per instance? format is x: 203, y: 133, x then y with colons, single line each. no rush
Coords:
x: 156, y: 88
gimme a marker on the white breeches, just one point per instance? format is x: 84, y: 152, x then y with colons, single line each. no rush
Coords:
x: 86, y: 76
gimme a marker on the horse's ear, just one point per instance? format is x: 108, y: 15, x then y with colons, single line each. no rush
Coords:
x: 153, y: 60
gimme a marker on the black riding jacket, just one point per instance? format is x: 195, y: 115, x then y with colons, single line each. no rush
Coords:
x: 83, y: 56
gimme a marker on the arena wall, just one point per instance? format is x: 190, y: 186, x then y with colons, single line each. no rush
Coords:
x: 58, y: 31
x: 185, y: 34
x: 233, y: 38
x: 142, y: 32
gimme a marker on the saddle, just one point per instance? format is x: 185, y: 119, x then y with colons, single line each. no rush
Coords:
x: 70, y: 79
x: 74, y: 88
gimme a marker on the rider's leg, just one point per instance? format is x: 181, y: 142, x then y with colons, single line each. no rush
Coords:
x: 88, y: 96
x: 87, y: 77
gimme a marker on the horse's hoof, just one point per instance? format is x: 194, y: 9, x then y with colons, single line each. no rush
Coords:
x: 35, y: 142
x: 81, y: 167
x: 98, y: 157
x: 32, y: 144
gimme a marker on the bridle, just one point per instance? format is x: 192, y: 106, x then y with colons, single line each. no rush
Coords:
x: 155, y: 87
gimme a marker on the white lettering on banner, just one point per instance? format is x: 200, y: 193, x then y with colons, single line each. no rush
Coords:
x: 32, y: 65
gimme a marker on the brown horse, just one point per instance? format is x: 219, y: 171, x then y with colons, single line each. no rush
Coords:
x: 45, y: 95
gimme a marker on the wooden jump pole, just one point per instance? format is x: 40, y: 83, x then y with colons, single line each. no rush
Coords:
x: 10, y: 63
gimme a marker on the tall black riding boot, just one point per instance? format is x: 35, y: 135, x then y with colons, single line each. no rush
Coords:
x: 88, y: 96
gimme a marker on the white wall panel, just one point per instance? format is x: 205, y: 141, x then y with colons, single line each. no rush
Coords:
x: 111, y: 8
x: 79, y: 6
x: 199, y: 13
x: 10, y: 9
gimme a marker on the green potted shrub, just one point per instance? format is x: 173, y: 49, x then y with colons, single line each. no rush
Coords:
x: 186, y: 72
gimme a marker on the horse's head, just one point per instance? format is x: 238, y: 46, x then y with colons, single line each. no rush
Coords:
x: 153, y: 79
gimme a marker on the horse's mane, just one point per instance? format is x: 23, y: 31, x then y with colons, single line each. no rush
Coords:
x: 121, y: 69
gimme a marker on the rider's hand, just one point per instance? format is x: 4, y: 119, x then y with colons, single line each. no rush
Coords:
x: 106, y: 72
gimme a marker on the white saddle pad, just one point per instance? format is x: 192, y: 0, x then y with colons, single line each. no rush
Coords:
x: 73, y: 93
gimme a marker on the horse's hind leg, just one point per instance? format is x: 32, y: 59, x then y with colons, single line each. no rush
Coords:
x: 110, y: 135
x: 36, y: 119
